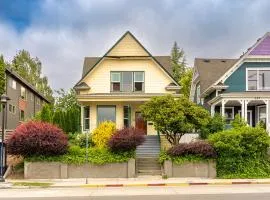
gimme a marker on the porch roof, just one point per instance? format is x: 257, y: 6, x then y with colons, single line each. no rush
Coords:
x: 256, y: 95
x: 120, y: 96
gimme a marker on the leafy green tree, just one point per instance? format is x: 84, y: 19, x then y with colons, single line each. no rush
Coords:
x: 216, y: 124
x: 238, y: 122
x: 174, y: 117
x: 178, y: 62
x: 2, y: 75
x: 30, y: 69
x: 46, y: 114
x: 66, y: 100
x: 185, y: 82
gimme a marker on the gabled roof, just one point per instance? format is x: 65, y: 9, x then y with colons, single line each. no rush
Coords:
x: 25, y: 83
x: 210, y: 70
x: 91, y: 62
x: 263, y: 48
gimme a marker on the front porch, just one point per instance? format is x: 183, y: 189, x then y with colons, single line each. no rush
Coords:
x: 252, y: 109
x: 123, y: 113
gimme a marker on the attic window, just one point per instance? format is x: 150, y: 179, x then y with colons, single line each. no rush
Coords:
x: 206, y: 60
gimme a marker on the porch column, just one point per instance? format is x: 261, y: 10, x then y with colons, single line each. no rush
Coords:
x: 242, y: 108
x: 223, y: 102
x: 246, y: 104
x: 267, y: 114
x: 213, y: 110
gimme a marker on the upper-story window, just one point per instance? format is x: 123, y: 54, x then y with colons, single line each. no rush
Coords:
x: 23, y: 93
x: 198, y: 94
x: 127, y: 81
x: 12, y: 83
x: 258, y: 79
x: 38, y: 101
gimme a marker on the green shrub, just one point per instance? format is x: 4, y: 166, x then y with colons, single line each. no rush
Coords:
x: 215, y: 124
x: 80, y: 140
x: 242, y: 152
x: 238, y: 122
x: 77, y: 155
x: 102, y: 134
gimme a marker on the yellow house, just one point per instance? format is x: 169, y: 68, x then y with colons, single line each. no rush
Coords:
x: 114, y: 86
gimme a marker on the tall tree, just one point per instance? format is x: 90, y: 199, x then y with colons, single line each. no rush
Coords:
x: 185, y: 82
x: 178, y: 61
x: 2, y: 75
x: 30, y: 69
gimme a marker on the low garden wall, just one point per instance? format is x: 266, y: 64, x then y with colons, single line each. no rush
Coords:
x: 57, y: 170
x: 190, y: 169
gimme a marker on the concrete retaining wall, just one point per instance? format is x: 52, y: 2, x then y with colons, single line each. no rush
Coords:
x: 189, y: 169
x: 57, y: 170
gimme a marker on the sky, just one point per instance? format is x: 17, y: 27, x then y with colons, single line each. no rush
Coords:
x: 62, y: 32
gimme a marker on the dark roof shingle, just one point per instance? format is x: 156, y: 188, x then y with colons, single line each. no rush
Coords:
x: 210, y: 70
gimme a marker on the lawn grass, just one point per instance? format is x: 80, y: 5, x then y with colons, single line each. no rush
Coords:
x: 35, y: 184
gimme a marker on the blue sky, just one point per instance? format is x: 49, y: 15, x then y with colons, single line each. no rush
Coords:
x: 62, y: 32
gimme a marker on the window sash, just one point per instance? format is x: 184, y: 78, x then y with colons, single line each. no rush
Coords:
x: 127, y: 116
x: 257, y: 79
x: 106, y: 113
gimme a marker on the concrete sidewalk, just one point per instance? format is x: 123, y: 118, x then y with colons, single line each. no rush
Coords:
x: 143, y: 181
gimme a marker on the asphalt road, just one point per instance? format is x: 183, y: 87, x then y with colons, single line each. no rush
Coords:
x: 162, y: 197
x: 226, y: 192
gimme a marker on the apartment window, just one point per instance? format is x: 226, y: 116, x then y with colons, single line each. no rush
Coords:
x: 12, y: 83
x: 86, y: 118
x: 138, y: 81
x: 23, y: 93
x: 22, y: 115
x: 11, y: 109
x: 258, y: 79
x: 106, y: 113
x: 198, y: 94
x: 127, y: 81
x: 127, y: 116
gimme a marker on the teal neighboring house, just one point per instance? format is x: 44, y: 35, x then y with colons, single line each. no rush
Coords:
x: 236, y: 86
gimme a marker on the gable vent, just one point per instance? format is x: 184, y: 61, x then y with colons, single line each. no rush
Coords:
x: 223, y: 61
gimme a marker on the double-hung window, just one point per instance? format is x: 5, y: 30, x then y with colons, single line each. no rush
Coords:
x: 127, y: 81
x: 86, y: 117
x: 23, y: 93
x: 258, y: 79
x: 127, y: 116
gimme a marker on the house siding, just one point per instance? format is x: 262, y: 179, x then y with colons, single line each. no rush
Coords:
x: 128, y: 47
x: 155, y: 79
x: 237, y: 81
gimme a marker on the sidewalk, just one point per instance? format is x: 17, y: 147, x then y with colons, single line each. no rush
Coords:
x: 143, y: 181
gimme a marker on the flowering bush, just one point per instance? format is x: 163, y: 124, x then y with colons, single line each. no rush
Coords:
x: 198, y: 148
x: 37, y: 138
x: 126, y: 139
x: 101, y: 135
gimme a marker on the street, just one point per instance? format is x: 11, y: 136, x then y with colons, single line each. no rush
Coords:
x: 226, y: 192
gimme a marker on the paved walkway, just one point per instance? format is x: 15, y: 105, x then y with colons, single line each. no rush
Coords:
x: 130, y: 182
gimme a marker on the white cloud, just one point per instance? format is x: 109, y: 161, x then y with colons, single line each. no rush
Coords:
x: 62, y: 33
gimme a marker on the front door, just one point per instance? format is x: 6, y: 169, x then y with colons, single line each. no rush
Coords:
x: 140, y: 123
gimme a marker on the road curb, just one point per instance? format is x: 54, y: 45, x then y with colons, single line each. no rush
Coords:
x: 180, y: 184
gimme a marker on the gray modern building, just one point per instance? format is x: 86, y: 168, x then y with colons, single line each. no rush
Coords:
x: 25, y: 100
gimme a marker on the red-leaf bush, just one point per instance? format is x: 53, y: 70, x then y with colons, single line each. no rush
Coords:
x: 126, y: 139
x: 37, y: 138
x: 198, y: 148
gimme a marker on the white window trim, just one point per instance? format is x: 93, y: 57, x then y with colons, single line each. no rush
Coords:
x: 86, y: 118
x: 198, y: 99
x: 256, y: 69
x: 225, y: 112
x: 12, y: 109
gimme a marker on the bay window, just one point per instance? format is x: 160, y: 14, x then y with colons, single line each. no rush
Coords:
x: 258, y: 79
x: 127, y: 81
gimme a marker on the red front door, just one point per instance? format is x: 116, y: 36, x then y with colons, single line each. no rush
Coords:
x: 140, y: 123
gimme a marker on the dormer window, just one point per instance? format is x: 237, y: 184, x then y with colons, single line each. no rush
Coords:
x: 258, y: 79
x: 127, y: 81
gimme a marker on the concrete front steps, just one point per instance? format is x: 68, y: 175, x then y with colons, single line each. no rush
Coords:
x: 147, y: 156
